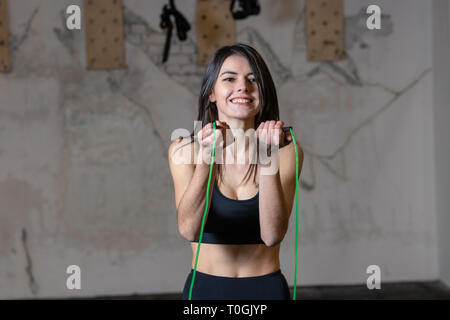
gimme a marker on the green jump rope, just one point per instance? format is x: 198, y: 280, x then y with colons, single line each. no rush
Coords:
x: 206, y: 209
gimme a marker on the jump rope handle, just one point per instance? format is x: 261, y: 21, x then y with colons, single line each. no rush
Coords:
x: 289, y: 128
x: 285, y: 129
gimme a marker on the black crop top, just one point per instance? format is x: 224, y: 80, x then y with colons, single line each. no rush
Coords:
x: 232, y: 221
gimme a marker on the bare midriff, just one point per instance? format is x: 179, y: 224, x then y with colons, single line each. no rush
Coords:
x: 236, y: 260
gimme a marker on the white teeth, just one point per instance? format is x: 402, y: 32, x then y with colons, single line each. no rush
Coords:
x: 241, y: 100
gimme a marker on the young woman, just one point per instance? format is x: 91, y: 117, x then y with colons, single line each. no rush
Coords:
x: 250, y: 202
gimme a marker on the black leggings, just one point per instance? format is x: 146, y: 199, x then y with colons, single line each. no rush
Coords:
x: 272, y: 286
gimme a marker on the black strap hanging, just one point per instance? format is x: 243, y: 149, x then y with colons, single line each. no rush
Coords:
x: 248, y: 7
x: 181, y: 24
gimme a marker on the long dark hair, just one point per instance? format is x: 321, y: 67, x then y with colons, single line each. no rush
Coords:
x: 207, y: 110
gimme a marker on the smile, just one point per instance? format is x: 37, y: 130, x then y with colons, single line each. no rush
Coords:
x: 241, y: 101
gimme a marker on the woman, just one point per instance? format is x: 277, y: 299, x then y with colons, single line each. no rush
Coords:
x: 250, y: 203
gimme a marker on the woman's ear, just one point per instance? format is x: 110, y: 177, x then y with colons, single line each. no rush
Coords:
x: 212, y: 97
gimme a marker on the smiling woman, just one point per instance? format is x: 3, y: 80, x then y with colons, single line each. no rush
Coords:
x: 246, y: 219
x: 235, y: 93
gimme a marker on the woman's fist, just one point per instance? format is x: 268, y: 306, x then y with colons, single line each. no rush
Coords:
x: 206, y: 139
x: 271, y: 133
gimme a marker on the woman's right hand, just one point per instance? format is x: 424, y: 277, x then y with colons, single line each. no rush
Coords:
x: 206, y: 140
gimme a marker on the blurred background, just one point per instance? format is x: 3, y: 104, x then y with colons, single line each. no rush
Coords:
x: 84, y: 174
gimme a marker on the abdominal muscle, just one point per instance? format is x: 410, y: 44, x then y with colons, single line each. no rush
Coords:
x: 236, y: 260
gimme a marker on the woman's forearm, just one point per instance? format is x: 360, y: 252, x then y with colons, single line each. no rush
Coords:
x: 272, y: 208
x: 193, y: 202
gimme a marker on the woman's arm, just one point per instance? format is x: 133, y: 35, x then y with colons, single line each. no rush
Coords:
x: 190, y: 182
x: 192, y: 205
x: 276, y: 195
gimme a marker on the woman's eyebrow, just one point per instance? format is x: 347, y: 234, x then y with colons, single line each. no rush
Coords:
x: 232, y: 72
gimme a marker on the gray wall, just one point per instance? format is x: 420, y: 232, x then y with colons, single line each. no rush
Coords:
x: 84, y: 177
x: 441, y: 94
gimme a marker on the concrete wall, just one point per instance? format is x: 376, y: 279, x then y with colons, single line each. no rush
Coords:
x: 84, y: 177
x: 441, y: 94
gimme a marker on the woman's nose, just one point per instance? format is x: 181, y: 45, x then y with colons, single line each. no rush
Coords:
x: 243, y: 85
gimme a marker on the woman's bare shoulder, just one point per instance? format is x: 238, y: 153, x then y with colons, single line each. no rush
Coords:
x: 182, y: 151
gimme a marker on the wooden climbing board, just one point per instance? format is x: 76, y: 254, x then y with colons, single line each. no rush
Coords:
x: 105, y: 38
x: 5, y: 63
x: 215, y: 27
x: 325, y: 34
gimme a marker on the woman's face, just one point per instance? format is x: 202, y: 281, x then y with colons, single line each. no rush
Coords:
x: 236, y: 91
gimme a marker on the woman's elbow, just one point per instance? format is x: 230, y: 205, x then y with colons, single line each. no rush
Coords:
x: 186, y: 235
x: 186, y: 232
x: 272, y: 241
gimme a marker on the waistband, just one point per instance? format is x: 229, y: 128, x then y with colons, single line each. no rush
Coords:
x: 207, y: 275
x: 230, y: 238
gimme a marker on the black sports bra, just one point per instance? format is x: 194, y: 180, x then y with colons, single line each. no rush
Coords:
x: 232, y: 221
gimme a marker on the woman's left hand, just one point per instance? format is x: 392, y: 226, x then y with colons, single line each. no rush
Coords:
x: 271, y: 133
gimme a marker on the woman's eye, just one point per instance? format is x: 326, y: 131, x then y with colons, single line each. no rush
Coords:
x: 252, y: 80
